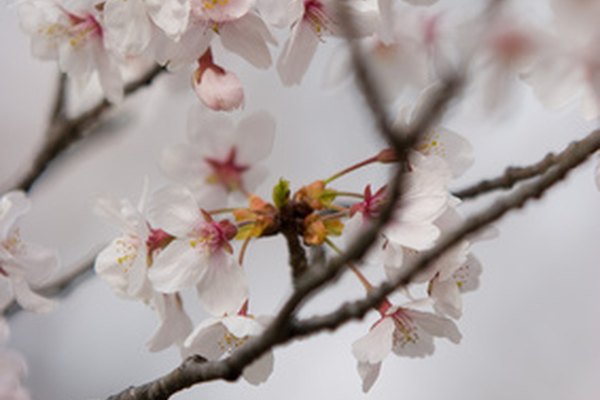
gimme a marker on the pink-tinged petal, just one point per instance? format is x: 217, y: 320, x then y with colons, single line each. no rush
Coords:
x: 368, y: 374
x: 222, y: 289
x: 450, y: 146
x: 170, y: 15
x: 28, y: 299
x: 259, y: 371
x: 12, y: 206
x: 248, y: 37
x: 179, y: 266
x: 377, y: 344
x: 436, y: 325
x: 126, y: 26
x: 297, y: 54
x: 210, y: 196
x: 220, y: 91
x: 254, y: 137
x: 467, y: 276
x: 175, y: 325
x: 174, y: 210
x: 207, y: 340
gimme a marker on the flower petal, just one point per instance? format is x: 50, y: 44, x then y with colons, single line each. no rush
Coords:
x: 179, y: 266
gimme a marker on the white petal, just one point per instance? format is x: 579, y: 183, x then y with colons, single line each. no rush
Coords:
x: 259, y: 371
x: 210, y: 131
x: 184, y: 163
x: 436, y: 325
x: 241, y: 326
x: 179, y: 266
x: 126, y: 26
x: 247, y: 37
x: 175, y: 325
x: 375, y: 345
x: 170, y: 15
x: 447, y: 297
x: 174, y: 210
x: 368, y: 374
x: 207, y: 340
x: 222, y: 289
x: 297, y: 54
x: 37, y: 263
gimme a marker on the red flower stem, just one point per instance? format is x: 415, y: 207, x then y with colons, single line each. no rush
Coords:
x: 352, y: 168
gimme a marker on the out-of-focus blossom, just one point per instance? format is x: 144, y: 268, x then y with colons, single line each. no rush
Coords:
x: 222, y: 158
x: 22, y: 264
x: 12, y: 369
x: 76, y: 39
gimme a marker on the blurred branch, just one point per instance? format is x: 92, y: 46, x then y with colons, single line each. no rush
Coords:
x: 515, y: 175
x: 62, y: 132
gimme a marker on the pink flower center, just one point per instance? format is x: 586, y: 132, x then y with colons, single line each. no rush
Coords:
x: 314, y: 14
x: 371, y: 204
x: 406, y: 331
x: 214, y: 236
x: 82, y: 28
x: 157, y: 240
x: 227, y: 173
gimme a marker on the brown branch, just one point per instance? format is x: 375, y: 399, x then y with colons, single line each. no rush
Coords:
x: 285, y: 327
x: 578, y: 152
x: 513, y: 176
x: 64, y: 132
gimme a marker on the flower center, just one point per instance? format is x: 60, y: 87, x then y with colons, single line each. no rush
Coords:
x: 227, y: 173
x: 316, y: 16
x: 406, y: 331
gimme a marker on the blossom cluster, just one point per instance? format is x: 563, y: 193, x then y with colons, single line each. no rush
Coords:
x: 407, y: 43
x: 193, y: 234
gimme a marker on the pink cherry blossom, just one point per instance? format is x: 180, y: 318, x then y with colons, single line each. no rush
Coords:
x: 222, y: 158
x: 217, y: 88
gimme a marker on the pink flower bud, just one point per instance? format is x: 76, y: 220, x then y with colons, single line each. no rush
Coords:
x: 218, y: 89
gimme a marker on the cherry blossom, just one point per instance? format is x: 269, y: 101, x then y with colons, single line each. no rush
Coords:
x: 76, y: 39
x: 199, y: 255
x: 175, y: 324
x: 222, y: 158
x: 217, y: 337
x: 406, y: 332
x: 22, y: 264
x: 311, y: 21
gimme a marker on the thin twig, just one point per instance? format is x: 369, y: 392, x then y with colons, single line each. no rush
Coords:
x: 578, y: 153
x: 63, y: 132
x: 512, y: 176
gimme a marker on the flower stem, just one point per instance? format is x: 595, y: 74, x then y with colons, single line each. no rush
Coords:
x: 352, y: 168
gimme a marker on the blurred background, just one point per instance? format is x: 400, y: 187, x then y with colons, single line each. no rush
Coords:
x: 530, y: 332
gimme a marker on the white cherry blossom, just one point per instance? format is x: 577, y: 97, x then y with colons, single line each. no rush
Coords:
x: 12, y: 369
x: 404, y: 331
x: 76, y: 39
x: 200, y: 255
x: 218, y: 337
x: 22, y: 264
x: 217, y: 88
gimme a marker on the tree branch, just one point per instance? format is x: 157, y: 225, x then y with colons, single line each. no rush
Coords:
x: 63, y: 132
x: 513, y: 176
